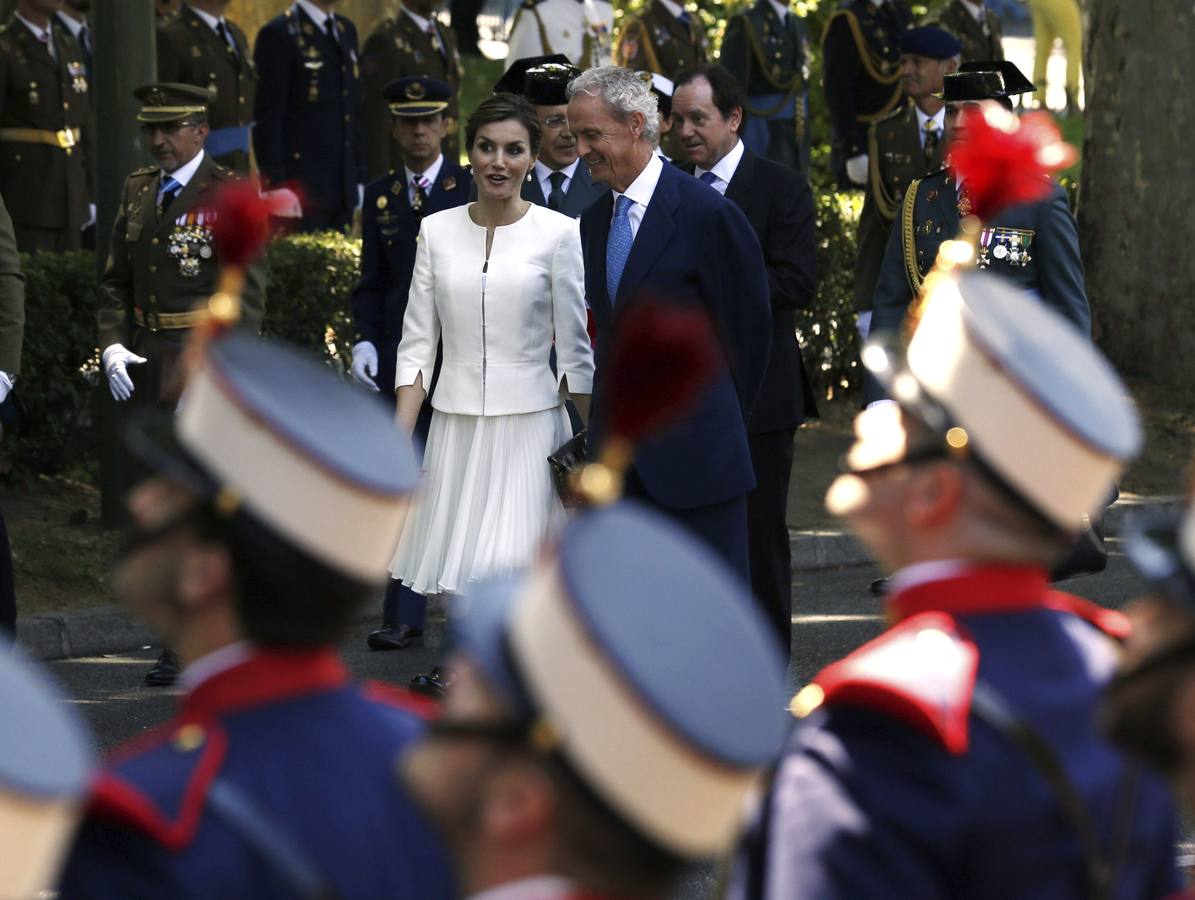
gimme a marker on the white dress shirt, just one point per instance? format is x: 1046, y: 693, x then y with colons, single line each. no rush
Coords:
x: 497, y: 320
x: 74, y: 26
x: 45, y: 35
x: 640, y: 191
x: 214, y: 21
x: 724, y: 168
x: 781, y: 9
x: 185, y: 172
x: 317, y: 15
x: 538, y: 887
x: 431, y: 173
x: 544, y: 175
x: 939, y: 120
x: 976, y: 10
x: 675, y: 8
x: 423, y: 23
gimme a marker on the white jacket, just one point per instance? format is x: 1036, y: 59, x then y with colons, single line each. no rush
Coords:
x: 497, y: 322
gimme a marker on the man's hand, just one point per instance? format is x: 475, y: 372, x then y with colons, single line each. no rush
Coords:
x: 856, y: 169
x: 365, y: 364
x: 116, y: 362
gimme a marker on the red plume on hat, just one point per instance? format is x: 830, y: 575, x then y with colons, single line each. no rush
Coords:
x: 661, y: 359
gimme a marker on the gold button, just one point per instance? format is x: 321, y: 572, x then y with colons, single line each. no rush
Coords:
x: 153, y: 298
x: 65, y: 105
x: 240, y: 99
x: 153, y: 269
x: 189, y: 737
x: 346, y: 118
x: 296, y: 155
x: 154, y: 242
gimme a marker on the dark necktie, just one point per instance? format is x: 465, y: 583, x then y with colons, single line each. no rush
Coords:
x: 166, y: 193
x: 556, y: 195
x: 227, y: 38
x: 330, y: 24
x: 437, y: 43
x: 708, y: 178
x: 932, y: 136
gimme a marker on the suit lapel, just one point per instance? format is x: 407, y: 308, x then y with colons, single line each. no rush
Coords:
x: 739, y: 189
x: 188, y: 195
x: 532, y: 191
x: 655, y: 231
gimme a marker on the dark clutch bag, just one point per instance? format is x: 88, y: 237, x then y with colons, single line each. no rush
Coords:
x: 568, y: 458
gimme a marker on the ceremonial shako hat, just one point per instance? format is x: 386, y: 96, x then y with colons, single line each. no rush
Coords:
x: 514, y: 79
x: 266, y: 431
x: 418, y: 95
x: 931, y: 42
x: 604, y: 650
x: 662, y: 87
x: 547, y: 85
x: 164, y: 103
x: 1009, y: 383
x: 985, y: 80
x: 45, y: 765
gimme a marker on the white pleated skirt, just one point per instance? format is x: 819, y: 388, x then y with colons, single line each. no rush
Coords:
x: 486, y: 502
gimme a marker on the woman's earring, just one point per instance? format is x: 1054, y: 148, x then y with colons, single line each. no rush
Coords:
x: 528, y: 176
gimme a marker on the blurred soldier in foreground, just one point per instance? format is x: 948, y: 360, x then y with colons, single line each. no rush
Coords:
x: 45, y: 765
x: 580, y: 29
x: 410, y: 43
x: 12, y: 336
x: 664, y: 38
x: 907, y: 145
x: 861, y: 44
x: 46, y: 152
x: 201, y: 47
x: 587, y: 749
x: 262, y: 532
x: 307, y: 116
x: 958, y: 752
x: 766, y: 49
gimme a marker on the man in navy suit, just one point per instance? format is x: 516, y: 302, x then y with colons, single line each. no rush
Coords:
x: 394, y: 208
x: 308, y: 111
x: 663, y: 237
x: 707, y: 113
x: 560, y: 180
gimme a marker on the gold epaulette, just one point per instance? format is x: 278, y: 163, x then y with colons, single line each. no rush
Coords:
x: 908, y: 239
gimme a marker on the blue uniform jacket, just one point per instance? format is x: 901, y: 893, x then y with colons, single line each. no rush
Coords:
x: 389, y: 228
x: 312, y: 753
x: 695, y: 249
x: 307, y: 115
x: 895, y: 787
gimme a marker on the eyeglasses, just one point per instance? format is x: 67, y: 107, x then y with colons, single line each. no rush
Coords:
x: 170, y: 129
x: 556, y: 121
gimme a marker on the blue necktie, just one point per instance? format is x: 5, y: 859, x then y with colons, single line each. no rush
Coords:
x: 618, y: 248
x: 708, y: 178
x: 685, y: 18
x: 167, y: 192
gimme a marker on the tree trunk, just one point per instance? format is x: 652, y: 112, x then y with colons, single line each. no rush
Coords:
x: 1136, y: 221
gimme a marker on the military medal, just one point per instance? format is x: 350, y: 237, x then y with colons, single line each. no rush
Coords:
x: 190, y: 243
x: 449, y: 183
x: 196, y: 52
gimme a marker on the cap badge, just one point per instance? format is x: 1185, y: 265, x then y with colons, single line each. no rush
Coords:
x: 415, y: 91
x: 155, y: 98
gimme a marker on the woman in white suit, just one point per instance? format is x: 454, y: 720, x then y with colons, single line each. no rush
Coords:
x: 498, y: 282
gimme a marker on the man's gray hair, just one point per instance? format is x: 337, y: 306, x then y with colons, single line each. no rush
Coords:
x: 624, y: 92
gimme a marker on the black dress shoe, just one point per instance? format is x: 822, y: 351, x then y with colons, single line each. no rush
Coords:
x: 394, y: 637
x: 164, y: 672
x: 879, y: 587
x: 432, y: 684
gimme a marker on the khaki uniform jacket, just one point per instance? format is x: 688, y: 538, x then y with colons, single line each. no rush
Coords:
x: 44, y: 186
x: 12, y: 297
x: 190, y: 52
x: 896, y: 159
x: 955, y: 18
x: 658, y: 41
x: 167, y: 265
x: 398, y: 48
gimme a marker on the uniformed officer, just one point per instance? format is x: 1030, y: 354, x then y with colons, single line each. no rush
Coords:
x: 664, y: 38
x: 45, y: 765
x: 666, y: 144
x: 767, y: 50
x: 307, y: 115
x: 163, y: 261
x: 413, y: 42
x: 165, y: 10
x: 46, y: 153
x: 201, y: 47
x: 12, y: 336
x: 580, y: 29
x: 861, y: 45
x: 394, y: 207
x: 278, y: 497
x: 1036, y: 245
x: 909, y: 144
x: 73, y: 17
x: 586, y: 743
x: 977, y: 28
x: 957, y: 754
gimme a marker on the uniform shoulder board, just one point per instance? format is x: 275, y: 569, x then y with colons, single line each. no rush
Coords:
x: 900, y: 110
x: 144, y: 170
x: 921, y: 672
x: 224, y: 173
x: 163, y: 795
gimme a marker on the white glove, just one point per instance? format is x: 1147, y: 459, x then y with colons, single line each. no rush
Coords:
x: 5, y: 386
x: 116, y: 362
x: 360, y: 195
x: 90, y: 217
x: 856, y: 169
x: 284, y: 203
x: 365, y: 364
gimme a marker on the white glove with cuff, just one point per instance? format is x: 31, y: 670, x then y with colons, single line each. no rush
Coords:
x: 365, y: 364
x: 856, y: 169
x: 116, y: 362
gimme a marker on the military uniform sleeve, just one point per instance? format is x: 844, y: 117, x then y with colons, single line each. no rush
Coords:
x: 116, y: 287
x: 421, y: 323
x: 892, y: 296
x: 110, y: 862
x: 253, y: 297
x: 369, y: 296
x: 1059, y: 265
x: 271, y: 55
x: 355, y: 97
x: 574, y: 353
x: 376, y: 70
x: 790, y: 250
x: 735, y: 54
x: 841, y: 60
x: 12, y: 297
